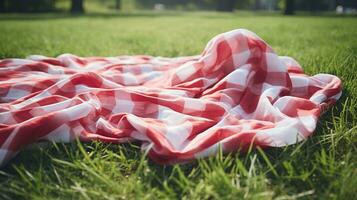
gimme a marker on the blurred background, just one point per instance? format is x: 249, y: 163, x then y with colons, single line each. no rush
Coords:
x: 288, y: 7
x: 319, y: 34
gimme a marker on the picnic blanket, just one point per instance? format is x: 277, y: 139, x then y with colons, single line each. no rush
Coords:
x: 238, y: 93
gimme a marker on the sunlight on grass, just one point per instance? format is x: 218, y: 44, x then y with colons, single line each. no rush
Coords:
x: 322, y: 167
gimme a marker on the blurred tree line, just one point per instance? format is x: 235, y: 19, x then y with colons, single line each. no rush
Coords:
x: 27, y: 5
x: 289, y: 6
x: 230, y: 5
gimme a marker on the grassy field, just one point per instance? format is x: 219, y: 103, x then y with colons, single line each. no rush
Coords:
x: 323, y: 167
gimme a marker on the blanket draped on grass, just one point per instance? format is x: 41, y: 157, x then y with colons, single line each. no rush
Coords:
x: 237, y: 93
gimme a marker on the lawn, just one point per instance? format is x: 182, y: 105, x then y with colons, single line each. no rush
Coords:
x: 323, y: 167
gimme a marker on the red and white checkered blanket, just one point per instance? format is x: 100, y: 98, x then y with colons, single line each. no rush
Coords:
x: 237, y: 93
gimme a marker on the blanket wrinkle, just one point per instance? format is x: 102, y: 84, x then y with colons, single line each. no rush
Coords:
x: 237, y: 93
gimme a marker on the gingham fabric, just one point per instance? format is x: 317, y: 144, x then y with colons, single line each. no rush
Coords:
x: 237, y: 93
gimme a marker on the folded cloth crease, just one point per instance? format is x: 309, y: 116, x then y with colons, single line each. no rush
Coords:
x: 237, y: 93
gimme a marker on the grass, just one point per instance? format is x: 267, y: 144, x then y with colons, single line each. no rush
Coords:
x: 323, y: 167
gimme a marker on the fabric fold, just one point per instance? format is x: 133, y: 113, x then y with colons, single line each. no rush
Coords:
x: 237, y: 93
